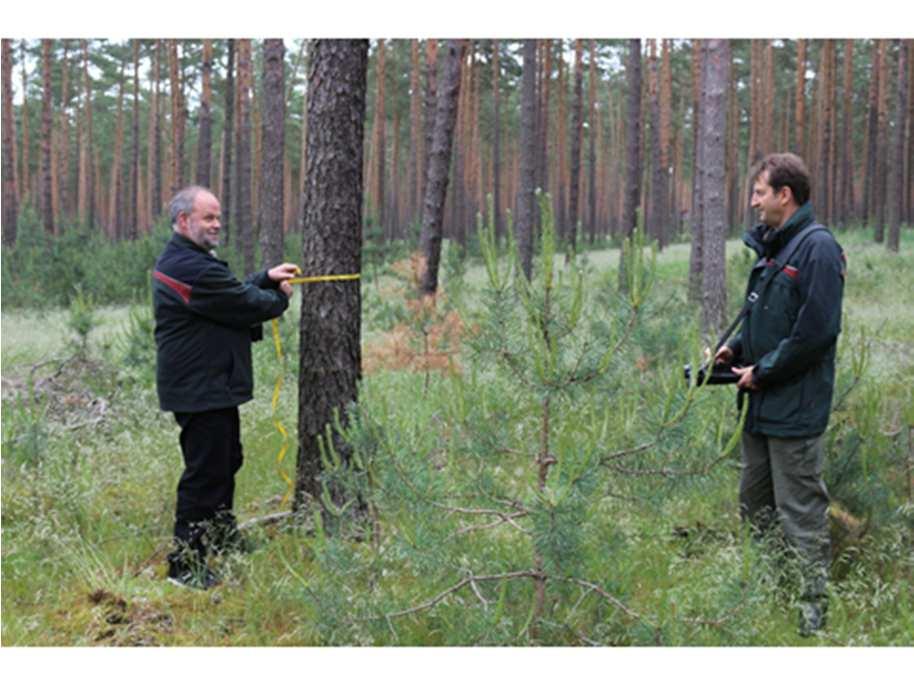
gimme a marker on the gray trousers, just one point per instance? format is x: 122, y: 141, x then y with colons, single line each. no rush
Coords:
x: 782, y: 480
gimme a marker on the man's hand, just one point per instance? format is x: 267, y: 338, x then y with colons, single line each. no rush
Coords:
x: 723, y: 355
x: 745, y: 382
x: 283, y: 271
x: 286, y: 288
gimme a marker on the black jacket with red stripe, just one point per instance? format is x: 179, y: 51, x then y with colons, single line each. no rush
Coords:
x: 791, y: 332
x: 205, y: 321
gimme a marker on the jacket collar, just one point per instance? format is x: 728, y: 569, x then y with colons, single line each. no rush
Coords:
x: 766, y: 241
x: 184, y: 242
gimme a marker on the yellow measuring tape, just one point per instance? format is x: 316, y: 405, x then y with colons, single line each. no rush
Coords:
x: 277, y: 387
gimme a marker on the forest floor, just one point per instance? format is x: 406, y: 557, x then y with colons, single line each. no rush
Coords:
x: 90, y: 465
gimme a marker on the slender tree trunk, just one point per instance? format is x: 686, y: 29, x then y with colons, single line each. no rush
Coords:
x: 525, y: 195
x: 695, y: 254
x: 657, y: 214
x: 439, y: 163
x: 543, y: 139
x: 714, y: 125
x: 229, y: 182
x: 496, y: 141
x: 380, y: 143
x: 205, y: 135
x: 882, y: 143
x: 46, y: 205
x: 666, y: 140
x: 823, y: 176
x: 62, y: 163
x: 155, y: 208
x: 592, y: 142
x: 574, y: 190
x: 561, y: 144
x: 431, y: 105
x: 25, y: 159
x: 243, y: 212
x: 846, y: 192
x: 115, y: 205
x: 632, y: 148
x: 272, y: 168
x: 896, y: 192
x: 10, y: 201
x: 872, y: 125
x: 800, y: 98
x: 458, y: 225
x: 416, y: 139
x: 133, y: 206
x: 177, y: 118
x: 330, y: 359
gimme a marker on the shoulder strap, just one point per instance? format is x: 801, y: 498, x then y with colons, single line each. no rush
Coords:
x: 786, y: 252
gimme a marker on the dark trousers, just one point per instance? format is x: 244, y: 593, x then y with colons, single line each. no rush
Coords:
x: 211, y: 445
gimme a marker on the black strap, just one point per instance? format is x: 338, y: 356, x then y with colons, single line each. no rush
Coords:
x: 787, y: 251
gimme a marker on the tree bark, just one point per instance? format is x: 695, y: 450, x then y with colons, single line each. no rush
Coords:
x: 525, y: 194
x: 205, y: 118
x: 593, y: 126
x: 496, y: 142
x: 271, y: 173
x: 846, y: 189
x: 177, y: 118
x: 229, y: 183
x: 695, y: 252
x: 116, y: 189
x: 574, y: 189
x: 416, y: 139
x: 632, y: 148
x: 25, y: 159
x: 243, y: 214
x: 155, y: 153
x: 714, y: 231
x: 821, y: 198
x: 47, y: 208
x: 880, y: 186
x: 872, y: 124
x: 896, y: 192
x: 800, y: 98
x: 380, y: 143
x: 431, y: 104
x: 10, y: 201
x: 439, y: 163
x: 330, y: 329
x: 133, y: 207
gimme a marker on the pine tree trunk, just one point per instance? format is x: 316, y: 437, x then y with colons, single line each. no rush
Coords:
x: 10, y: 201
x: 656, y: 216
x: 714, y: 229
x: 561, y: 144
x: 896, y: 163
x: 846, y: 192
x: 155, y: 153
x: 272, y: 183
x: 330, y: 363
x: 800, y: 100
x: 632, y: 148
x: 177, y: 118
x: 229, y: 183
x: 543, y: 139
x: 821, y: 197
x: 592, y: 143
x: 430, y: 110
x: 458, y: 187
x: 115, y: 204
x: 666, y: 139
x: 439, y: 163
x: 695, y: 253
x: 62, y: 166
x: 416, y: 139
x: 872, y: 120
x: 86, y: 206
x: 243, y: 214
x: 47, y: 209
x: 133, y: 206
x: 380, y: 143
x: 25, y: 159
x: 496, y: 141
x: 880, y: 186
x: 574, y: 189
x: 525, y: 195
x: 205, y: 118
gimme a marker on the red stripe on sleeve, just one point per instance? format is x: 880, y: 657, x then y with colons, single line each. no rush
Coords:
x: 182, y: 289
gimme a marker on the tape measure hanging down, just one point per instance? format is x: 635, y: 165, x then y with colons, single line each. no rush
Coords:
x: 277, y: 387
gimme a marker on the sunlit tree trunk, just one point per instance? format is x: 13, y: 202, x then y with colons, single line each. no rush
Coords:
x: 696, y: 215
x: 243, y: 214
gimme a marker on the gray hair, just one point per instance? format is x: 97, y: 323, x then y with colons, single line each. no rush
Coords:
x: 183, y: 202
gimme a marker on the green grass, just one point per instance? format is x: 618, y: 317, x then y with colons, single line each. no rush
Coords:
x: 88, y: 492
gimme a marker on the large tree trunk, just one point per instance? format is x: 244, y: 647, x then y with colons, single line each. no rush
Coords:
x: 47, y: 208
x: 525, y: 194
x: 271, y: 173
x: 632, y: 148
x: 714, y: 231
x: 429, y: 113
x: 846, y: 189
x: 330, y: 359
x: 243, y: 213
x: 896, y: 164
x: 439, y: 163
x: 574, y: 190
x: 10, y: 201
x: 872, y: 123
x: 821, y: 197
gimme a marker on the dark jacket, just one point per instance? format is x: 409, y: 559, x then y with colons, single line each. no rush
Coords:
x: 791, y: 332
x: 205, y: 322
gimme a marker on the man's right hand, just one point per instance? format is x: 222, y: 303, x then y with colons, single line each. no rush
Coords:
x: 286, y: 288
x: 724, y: 355
x: 283, y: 271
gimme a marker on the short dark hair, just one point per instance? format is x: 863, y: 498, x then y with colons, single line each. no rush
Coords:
x: 784, y: 169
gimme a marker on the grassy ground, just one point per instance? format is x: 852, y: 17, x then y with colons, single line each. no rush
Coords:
x: 90, y: 466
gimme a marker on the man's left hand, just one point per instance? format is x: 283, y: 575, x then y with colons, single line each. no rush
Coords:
x: 745, y: 382
x: 283, y: 272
